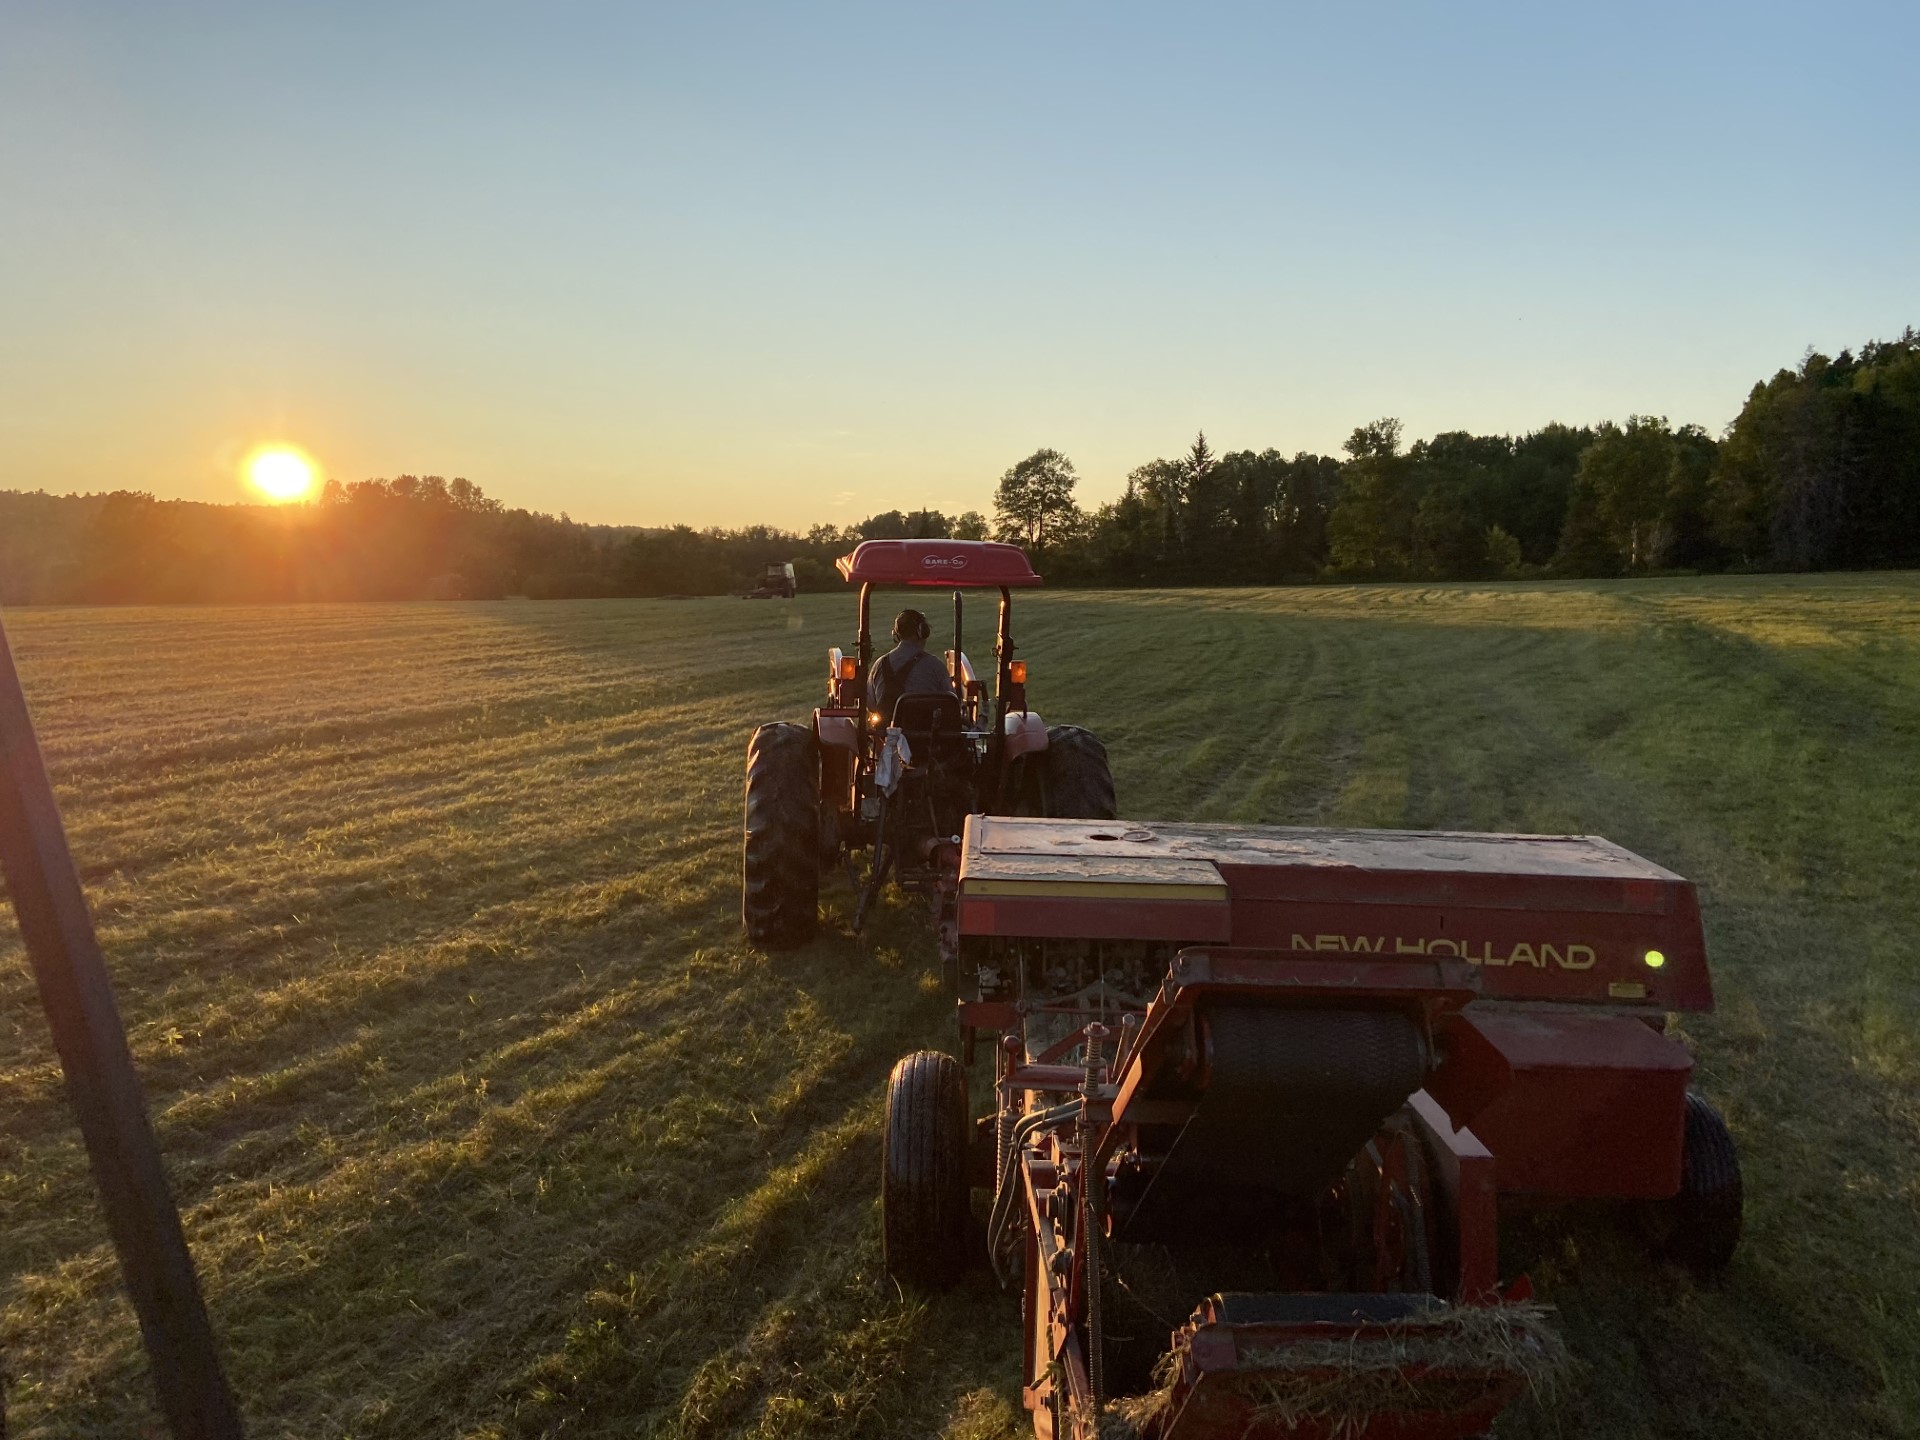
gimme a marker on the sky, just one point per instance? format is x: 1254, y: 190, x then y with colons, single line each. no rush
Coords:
x: 731, y: 264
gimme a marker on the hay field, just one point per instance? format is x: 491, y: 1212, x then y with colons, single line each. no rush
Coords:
x: 487, y: 1124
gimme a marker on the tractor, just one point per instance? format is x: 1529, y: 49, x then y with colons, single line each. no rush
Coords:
x: 899, y: 787
x: 778, y: 583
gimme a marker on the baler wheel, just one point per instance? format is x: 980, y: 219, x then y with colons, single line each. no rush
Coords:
x: 1699, y: 1228
x: 780, y: 871
x: 1079, y: 781
x: 923, y: 1189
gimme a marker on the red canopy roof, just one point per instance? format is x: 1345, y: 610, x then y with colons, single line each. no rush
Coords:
x: 942, y: 563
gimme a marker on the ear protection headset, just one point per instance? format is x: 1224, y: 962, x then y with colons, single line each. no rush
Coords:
x: 911, y: 625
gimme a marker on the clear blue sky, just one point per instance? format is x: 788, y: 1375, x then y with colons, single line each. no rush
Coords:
x: 722, y: 263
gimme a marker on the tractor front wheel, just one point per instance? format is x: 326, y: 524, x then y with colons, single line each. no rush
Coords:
x: 780, y: 871
x: 1700, y: 1227
x: 923, y: 1188
x: 1078, y: 779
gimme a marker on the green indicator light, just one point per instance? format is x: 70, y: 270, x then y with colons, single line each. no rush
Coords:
x: 1655, y: 959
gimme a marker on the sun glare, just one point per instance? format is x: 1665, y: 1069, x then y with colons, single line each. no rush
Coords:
x: 281, y: 474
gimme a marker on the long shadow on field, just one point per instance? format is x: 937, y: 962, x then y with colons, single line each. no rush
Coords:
x: 778, y: 1319
x: 693, y: 1169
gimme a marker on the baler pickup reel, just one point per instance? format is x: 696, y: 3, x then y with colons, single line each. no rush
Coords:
x: 1261, y: 1092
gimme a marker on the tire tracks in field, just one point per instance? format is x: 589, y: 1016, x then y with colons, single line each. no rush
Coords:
x: 1762, y: 948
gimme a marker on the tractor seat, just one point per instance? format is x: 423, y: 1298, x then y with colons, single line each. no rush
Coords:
x: 943, y: 759
x: 927, y: 716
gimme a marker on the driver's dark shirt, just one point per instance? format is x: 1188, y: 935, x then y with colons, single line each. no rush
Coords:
x: 907, y: 669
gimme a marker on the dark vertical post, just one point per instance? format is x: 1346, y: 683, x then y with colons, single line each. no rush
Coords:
x: 101, y: 1082
x: 1002, y: 678
x: 959, y: 681
x: 865, y: 641
x: 864, y: 644
x: 1003, y: 650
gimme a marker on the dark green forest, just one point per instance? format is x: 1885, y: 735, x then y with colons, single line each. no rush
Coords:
x: 1820, y: 470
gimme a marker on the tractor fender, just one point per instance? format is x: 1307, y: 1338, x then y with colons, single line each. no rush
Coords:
x: 1026, y: 733
x: 839, y: 731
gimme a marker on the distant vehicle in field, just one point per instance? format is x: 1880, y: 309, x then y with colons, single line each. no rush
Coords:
x: 777, y: 583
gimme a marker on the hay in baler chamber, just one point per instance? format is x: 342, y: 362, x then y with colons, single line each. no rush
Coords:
x: 1444, y: 1361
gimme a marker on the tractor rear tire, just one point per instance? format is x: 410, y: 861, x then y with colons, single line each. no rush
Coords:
x: 780, y: 870
x: 1078, y: 779
x: 923, y: 1190
x: 1699, y: 1228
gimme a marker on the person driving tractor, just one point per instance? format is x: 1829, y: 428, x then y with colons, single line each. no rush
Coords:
x: 909, y: 668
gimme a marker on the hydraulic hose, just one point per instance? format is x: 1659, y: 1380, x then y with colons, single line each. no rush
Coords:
x: 1010, y: 1182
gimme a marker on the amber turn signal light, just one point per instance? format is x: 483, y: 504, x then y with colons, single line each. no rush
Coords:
x: 1017, y: 672
x: 849, y: 667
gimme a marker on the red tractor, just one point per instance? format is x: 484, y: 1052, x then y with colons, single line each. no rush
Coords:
x: 900, y: 786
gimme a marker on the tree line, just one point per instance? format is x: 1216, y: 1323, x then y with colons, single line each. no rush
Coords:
x: 1820, y: 470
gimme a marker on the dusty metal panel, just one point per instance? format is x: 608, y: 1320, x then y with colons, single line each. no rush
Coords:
x: 1586, y: 856
x: 1089, y: 896
x: 1005, y: 874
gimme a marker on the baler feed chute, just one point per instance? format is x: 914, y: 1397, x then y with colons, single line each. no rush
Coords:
x: 1342, y: 1367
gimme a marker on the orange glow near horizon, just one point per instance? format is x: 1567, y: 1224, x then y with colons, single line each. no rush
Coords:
x: 280, y: 474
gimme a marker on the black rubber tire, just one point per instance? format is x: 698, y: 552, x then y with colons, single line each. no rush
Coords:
x: 923, y: 1172
x: 780, y: 865
x: 1700, y: 1227
x: 1078, y: 779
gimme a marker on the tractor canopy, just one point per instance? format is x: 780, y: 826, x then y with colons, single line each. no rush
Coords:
x: 944, y: 564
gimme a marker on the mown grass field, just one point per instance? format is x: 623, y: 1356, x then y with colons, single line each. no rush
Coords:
x: 486, y: 1123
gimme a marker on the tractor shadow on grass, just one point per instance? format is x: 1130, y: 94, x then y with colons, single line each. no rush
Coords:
x: 777, y: 1318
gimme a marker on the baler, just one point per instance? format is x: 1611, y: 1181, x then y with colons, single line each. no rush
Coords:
x: 1262, y: 1094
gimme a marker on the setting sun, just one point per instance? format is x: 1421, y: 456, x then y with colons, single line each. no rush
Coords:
x: 280, y: 473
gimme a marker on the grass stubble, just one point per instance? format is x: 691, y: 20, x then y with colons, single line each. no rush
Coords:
x: 486, y: 1123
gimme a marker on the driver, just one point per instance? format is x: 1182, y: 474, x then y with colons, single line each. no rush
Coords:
x: 909, y: 668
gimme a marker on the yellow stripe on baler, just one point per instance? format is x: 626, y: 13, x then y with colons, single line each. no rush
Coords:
x: 1092, y: 890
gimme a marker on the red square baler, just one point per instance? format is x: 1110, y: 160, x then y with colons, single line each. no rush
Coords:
x: 1260, y: 1095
